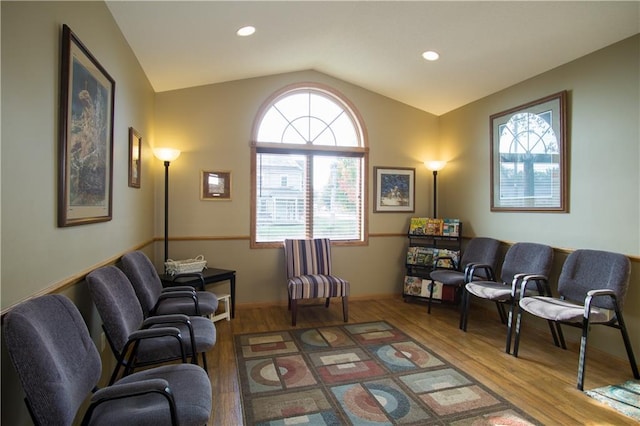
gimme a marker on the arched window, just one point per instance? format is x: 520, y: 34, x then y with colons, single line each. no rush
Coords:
x: 308, y: 168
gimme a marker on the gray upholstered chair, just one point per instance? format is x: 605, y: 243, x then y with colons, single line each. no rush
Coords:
x: 521, y: 259
x: 309, y: 274
x: 59, y: 365
x: 158, y: 301
x: 592, y: 287
x: 132, y: 337
x: 479, y: 250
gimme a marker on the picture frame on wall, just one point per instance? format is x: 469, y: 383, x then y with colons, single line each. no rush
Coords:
x: 135, y: 158
x: 529, y: 157
x: 394, y: 189
x: 85, y: 175
x: 215, y: 185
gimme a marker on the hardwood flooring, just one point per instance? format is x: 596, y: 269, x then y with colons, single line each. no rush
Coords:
x: 541, y: 381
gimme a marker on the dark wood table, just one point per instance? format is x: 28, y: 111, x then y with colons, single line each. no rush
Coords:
x: 200, y: 279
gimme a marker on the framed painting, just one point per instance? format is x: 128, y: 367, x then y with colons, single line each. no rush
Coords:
x: 529, y: 157
x: 394, y: 189
x: 135, y: 158
x: 85, y: 174
x: 215, y: 185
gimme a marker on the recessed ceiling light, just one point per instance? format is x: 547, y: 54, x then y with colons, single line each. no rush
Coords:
x: 246, y: 31
x: 430, y: 55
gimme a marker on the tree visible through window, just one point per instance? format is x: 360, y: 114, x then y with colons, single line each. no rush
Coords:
x: 309, y: 168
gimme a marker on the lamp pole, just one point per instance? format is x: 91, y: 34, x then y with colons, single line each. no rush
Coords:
x: 435, y: 197
x: 166, y: 210
x: 167, y: 155
x: 434, y: 166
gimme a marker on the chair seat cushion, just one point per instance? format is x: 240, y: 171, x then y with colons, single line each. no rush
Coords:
x: 561, y: 310
x: 189, y: 385
x: 449, y: 277
x: 312, y: 286
x: 207, y: 302
x: 495, y: 291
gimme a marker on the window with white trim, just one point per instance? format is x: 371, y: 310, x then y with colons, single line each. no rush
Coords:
x: 309, y: 162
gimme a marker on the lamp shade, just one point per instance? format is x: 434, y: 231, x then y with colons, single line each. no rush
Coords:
x: 166, y: 154
x: 435, y: 166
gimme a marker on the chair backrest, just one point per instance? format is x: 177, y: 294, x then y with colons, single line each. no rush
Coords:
x: 530, y: 258
x: 144, y: 279
x: 308, y: 257
x: 117, y: 303
x: 585, y: 270
x: 54, y: 356
x: 480, y: 250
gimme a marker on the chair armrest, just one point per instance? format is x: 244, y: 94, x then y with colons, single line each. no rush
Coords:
x: 165, y: 319
x: 132, y: 390
x: 173, y: 319
x: 178, y: 288
x: 176, y: 294
x: 191, y: 275
x: 472, y: 268
x: 600, y: 292
x: 437, y: 260
x: 525, y: 279
x: 152, y: 333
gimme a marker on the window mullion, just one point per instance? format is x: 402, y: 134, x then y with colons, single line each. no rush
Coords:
x: 309, y: 198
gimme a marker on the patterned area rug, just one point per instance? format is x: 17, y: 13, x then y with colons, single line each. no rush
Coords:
x: 624, y: 398
x: 360, y: 374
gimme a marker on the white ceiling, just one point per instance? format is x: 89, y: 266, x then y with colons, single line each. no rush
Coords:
x: 484, y: 46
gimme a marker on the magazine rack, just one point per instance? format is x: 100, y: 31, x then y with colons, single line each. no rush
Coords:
x: 432, y: 242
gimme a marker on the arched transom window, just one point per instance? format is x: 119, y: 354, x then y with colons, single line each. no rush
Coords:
x: 309, y: 162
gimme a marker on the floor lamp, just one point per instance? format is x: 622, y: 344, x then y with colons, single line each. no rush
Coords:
x: 167, y: 155
x: 435, y: 166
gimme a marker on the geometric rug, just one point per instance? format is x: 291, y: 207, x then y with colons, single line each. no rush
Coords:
x: 360, y: 374
x: 624, y: 398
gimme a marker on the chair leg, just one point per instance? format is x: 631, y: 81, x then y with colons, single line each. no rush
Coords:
x: 516, y: 342
x: 627, y: 345
x: 583, y: 354
x: 326, y: 304
x: 345, y: 308
x: 430, y: 296
x: 464, y: 317
x: 501, y: 313
x: 204, y: 361
x: 510, y: 325
x: 294, y: 311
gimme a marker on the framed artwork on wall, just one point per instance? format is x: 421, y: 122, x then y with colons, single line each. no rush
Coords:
x: 215, y: 185
x: 529, y: 157
x: 394, y: 189
x: 85, y: 163
x: 135, y: 158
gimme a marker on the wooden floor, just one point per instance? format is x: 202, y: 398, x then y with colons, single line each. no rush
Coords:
x: 541, y: 381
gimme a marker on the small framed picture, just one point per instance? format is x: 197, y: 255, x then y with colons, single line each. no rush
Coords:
x: 215, y: 185
x: 394, y: 189
x: 135, y: 158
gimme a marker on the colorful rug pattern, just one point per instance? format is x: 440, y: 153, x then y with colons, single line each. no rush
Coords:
x: 360, y: 374
x: 624, y: 398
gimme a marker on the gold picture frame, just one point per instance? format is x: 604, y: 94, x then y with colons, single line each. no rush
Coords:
x: 135, y: 158
x: 215, y: 185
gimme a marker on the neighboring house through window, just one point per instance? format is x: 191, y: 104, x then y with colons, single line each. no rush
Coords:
x: 309, y: 159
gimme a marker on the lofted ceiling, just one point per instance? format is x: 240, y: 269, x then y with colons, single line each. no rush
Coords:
x: 484, y: 46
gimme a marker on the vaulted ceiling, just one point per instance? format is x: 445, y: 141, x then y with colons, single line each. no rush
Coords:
x: 484, y: 46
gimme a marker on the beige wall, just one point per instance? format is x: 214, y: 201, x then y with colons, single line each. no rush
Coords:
x: 36, y: 255
x: 212, y: 125
x: 604, y: 172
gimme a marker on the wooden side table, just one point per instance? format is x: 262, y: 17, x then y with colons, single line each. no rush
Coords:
x: 200, y: 279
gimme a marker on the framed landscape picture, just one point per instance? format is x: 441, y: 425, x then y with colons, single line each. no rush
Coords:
x: 135, y: 158
x: 85, y: 174
x: 394, y: 189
